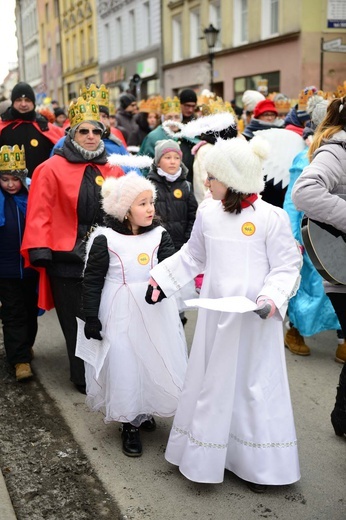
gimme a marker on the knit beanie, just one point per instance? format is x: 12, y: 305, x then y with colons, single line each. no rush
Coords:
x: 59, y: 112
x: 165, y: 146
x: 266, y: 105
x: 317, y: 108
x: 250, y: 99
x: 119, y: 193
x: 188, y: 96
x: 237, y: 163
x: 125, y: 100
x: 22, y: 90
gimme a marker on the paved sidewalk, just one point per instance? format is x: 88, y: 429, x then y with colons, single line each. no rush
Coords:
x: 6, y: 507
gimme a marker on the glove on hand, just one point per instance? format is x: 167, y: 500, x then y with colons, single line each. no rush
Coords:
x: 92, y: 328
x: 266, y: 307
x: 154, y: 293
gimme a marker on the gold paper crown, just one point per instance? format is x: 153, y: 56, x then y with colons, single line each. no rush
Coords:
x: 204, y: 99
x: 283, y: 106
x: 305, y: 95
x: 99, y: 94
x: 112, y: 109
x: 152, y: 104
x: 12, y: 158
x: 170, y: 106
x: 340, y: 90
x: 217, y: 106
x: 82, y: 110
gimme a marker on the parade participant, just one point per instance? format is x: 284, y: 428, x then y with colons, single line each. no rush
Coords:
x: 18, y: 285
x: 125, y: 115
x: 113, y: 124
x: 265, y: 116
x: 170, y: 111
x: 188, y: 104
x: 175, y: 202
x: 235, y: 409
x: 147, y: 119
x: 64, y: 204
x: 142, y: 374
x: 21, y: 125
x: 317, y: 192
x: 250, y: 99
x: 60, y: 117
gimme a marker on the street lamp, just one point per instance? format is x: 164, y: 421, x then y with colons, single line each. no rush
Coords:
x: 210, y: 35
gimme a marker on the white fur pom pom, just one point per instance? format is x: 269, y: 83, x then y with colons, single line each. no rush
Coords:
x: 260, y: 147
x: 132, y: 161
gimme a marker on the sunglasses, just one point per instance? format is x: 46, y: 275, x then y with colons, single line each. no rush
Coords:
x: 86, y: 131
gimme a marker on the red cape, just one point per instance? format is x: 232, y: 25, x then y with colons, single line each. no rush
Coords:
x: 51, y: 219
x: 54, y: 133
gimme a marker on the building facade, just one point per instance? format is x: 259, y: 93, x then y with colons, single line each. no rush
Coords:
x: 50, y: 49
x: 29, y: 61
x: 129, y: 43
x: 273, y: 45
x: 78, y: 37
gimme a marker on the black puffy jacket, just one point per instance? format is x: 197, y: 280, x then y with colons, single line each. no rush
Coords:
x: 98, y: 263
x: 175, y: 204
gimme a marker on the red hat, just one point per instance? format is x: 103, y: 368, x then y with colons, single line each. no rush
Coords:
x: 264, y: 106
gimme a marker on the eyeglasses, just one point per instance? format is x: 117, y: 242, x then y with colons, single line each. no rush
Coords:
x: 211, y: 178
x: 86, y: 131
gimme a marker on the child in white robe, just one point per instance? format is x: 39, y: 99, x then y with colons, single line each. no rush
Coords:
x: 235, y: 410
x: 143, y: 371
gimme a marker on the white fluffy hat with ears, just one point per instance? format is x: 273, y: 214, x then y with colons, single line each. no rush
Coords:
x: 119, y: 193
x: 237, y: 163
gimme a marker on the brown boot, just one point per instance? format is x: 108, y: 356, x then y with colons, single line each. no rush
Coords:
x: 340, y: 355
x: 295, y: 343
x: 23, y: 371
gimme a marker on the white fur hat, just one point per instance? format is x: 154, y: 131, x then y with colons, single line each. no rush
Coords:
x: 237, y: 163
x: 250, y: 99
x: 119, y: 193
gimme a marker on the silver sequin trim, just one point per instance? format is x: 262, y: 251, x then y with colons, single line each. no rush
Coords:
x: 290, y: 444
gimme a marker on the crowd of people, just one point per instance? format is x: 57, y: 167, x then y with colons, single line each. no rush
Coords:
x: 114, y: 217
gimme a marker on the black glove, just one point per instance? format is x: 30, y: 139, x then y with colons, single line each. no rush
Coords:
x: 92, y: 328
x: 157, y: 298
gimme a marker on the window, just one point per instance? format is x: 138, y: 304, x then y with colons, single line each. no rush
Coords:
x: 107, y: 41
x: 145, y: 26
x: 215, y: 19
x: 47, y: 12
x: 177, y: 53
x: 56, y: 8
x: 270, y: 18
x: 82, y: 47
x: 252, y: 82
x: 240, y: 22
x: 132, y: 34
x: 118, y: 37
x: 195, y: 33
x: 90, y: 43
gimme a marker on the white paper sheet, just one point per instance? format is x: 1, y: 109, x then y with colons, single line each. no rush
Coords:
x: 230, y: 304
x: 92, y: 351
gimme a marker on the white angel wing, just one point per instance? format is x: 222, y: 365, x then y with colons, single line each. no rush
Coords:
x: 284, y: 146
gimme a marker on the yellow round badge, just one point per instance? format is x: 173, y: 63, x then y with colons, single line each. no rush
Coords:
x: 177, y: 194
x: 99, y: 180
x: 34, y: 142
x: 143, y: 259
x: 248, y: 228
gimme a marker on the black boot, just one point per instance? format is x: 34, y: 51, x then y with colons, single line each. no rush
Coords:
x: 338, y: 415
x: 132, y: 446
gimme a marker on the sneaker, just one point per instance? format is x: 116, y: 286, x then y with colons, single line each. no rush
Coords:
x: 295, y: 343
x: 23, y: 371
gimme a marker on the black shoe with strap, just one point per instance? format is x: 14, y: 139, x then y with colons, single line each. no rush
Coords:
x: 132, y: 446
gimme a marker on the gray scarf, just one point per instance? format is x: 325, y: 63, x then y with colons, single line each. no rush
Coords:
x: 87, y: 154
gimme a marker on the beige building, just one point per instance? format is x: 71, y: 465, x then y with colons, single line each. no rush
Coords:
x: 78, y: 45
x: 273, y: 44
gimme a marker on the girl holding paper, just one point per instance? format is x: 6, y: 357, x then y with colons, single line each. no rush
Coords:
x: 235, y: 410
x: 142, y: 373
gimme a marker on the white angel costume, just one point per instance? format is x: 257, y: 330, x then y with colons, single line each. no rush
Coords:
x: 235, y: 410
x: 143, y: 371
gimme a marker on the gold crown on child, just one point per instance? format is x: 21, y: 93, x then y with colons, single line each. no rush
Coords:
x: 12, y: 158
x: 170, y: 105
x: 99, y: 94
x: 83, y: 110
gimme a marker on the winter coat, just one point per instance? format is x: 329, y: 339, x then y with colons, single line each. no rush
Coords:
x: 99, y: 259
x: 175, y: 204
x: 126, y: 122
x: 316, y: 190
